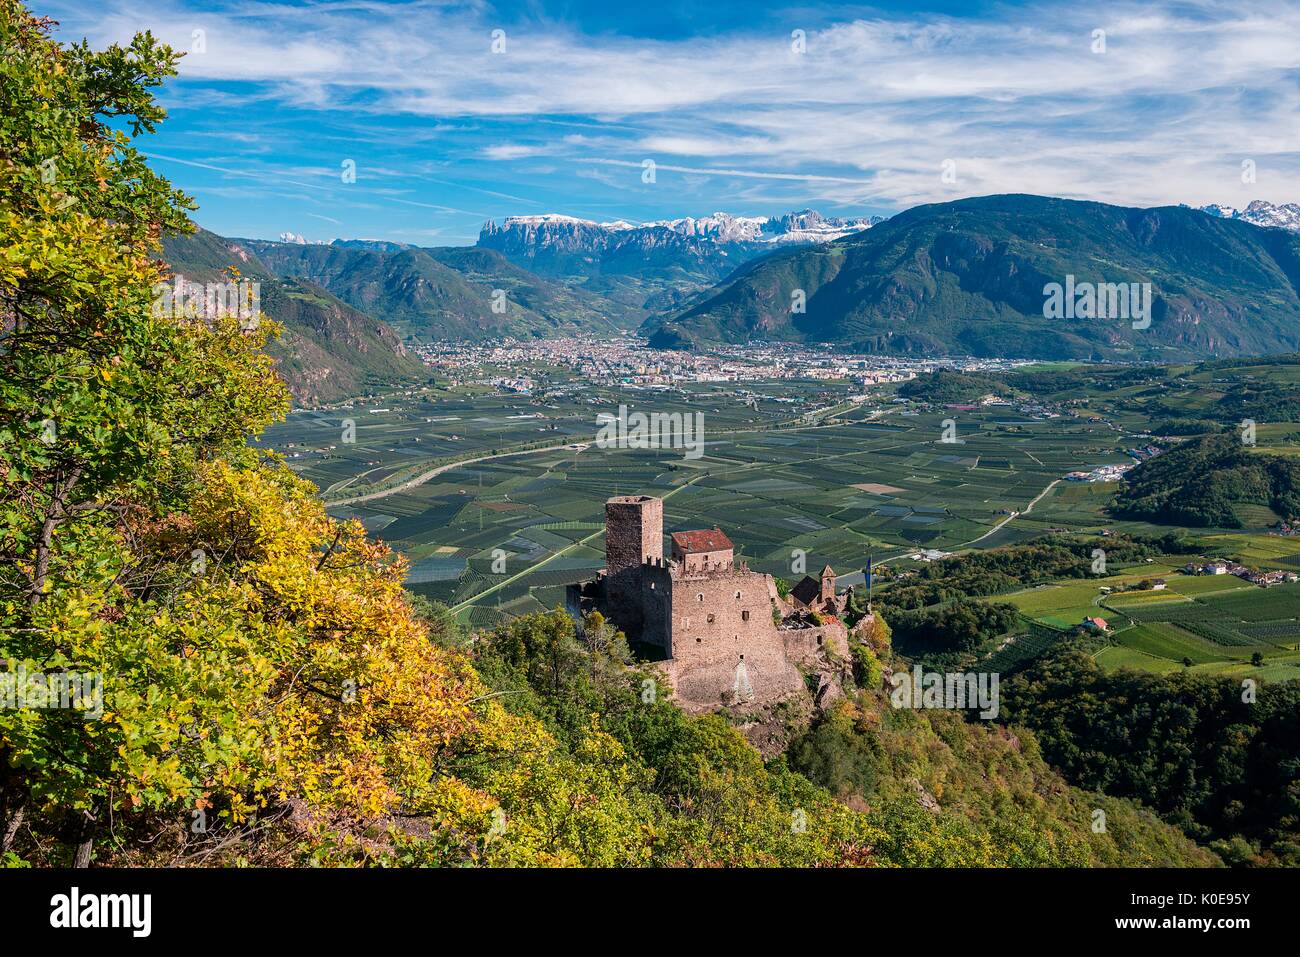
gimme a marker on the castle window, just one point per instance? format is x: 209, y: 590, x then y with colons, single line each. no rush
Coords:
x: 700, y: 597
x: 737, y: 596
x: 699, y: 640
x: 744, y: 616
x: 710, y: 619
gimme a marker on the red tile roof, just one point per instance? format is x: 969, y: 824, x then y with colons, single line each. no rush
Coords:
x: 703, y: 540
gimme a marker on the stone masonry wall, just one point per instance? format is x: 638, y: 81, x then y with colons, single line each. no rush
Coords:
x: 726, y: 650
x: 634, y: 532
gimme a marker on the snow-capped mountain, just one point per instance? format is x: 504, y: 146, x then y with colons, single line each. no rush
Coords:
x: 1261, y: 213
x: 805, y: 226
x: 298, y: 239
x: 720, y: 227
x: 683, y: 252
x: 558, y: 219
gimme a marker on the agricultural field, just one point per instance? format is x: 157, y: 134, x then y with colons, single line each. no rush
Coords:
x: 495, y: 498
x: 1066, y: 604
x: 1207, y: 624
x: 1214, y: 624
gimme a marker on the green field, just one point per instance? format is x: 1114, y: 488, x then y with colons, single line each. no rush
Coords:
x: 1218, y: 631
x: 779, y: 472
x: 1213, y: 624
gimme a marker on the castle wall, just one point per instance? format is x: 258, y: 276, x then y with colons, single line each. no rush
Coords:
x: 726, y: 648
x: 634, y: 526
x: 807, y: 646
x: 698, y: 562
x: 656, y: 595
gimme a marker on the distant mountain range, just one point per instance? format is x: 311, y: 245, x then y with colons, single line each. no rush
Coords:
x: 1261, y: 213
x: 521, y: 233
x: 965, y: 277
x: 969, y: 277
x: 653, y: 267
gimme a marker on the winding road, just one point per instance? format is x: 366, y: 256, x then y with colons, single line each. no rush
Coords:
x: 1013, y: 516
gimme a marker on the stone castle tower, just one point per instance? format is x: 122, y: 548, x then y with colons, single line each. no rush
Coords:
x: 725, y: 635
x: 634, y: 532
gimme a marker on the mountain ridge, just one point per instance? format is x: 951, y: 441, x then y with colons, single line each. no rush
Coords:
x: 327, y: 350
x: 969, y: 277
x: 1260, y: 212
x: 456, y: 292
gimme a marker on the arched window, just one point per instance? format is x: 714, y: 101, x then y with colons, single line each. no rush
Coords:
x: 744, y: 616
x: 700, y: 597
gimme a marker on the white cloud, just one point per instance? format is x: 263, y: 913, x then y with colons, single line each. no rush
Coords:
x: 869, y: 113
x: 511, y: 151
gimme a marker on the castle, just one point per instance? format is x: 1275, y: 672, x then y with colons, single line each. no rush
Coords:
x: 726, y: 635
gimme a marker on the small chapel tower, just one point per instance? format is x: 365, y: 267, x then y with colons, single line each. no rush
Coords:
x: 828, y: 584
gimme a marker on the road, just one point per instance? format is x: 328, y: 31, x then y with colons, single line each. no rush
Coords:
x: 425, y: 476
x: 1013, y: 516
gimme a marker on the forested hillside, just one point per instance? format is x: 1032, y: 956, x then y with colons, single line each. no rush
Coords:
x: 326, y: 350
x: 457, y: 294
x: 1203, y: 481
x: 1208, y: 753
x: 970, y: 277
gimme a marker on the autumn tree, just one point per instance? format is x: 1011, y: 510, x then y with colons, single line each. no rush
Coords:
x: 262, y: 681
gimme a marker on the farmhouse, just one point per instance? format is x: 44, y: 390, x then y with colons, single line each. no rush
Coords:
x: 724, y: 635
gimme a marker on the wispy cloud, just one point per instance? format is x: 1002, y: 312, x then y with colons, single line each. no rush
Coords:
x: 512, y: 151
x: 1161, y: 107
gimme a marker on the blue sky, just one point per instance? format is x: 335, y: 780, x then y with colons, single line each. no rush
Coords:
x: 275, y: 98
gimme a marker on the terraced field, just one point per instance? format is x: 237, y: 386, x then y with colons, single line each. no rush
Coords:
x: 1214, y: 624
